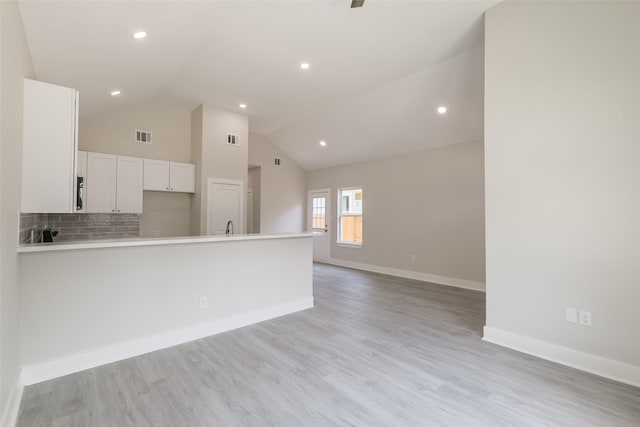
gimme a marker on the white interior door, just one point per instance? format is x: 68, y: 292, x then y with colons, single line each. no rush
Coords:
x: 319, y: 212
x: 226, y: 200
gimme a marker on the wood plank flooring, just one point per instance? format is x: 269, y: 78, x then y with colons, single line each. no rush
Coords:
x: 375, y: 351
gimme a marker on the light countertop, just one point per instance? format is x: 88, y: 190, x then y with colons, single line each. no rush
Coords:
x: 115, y: 243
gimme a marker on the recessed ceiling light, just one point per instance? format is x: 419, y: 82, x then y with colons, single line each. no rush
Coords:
x: 243, y: 105
x: 323, y: 143
x: 305, y: 65
x: 115, y: 93
x: 442, y: 110
x: 139, y: 35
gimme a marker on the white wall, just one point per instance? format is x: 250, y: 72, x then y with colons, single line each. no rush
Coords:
x: 215, y: 158
x: 166, y: 214
x: 196, y: 150
x: 111, y: 301
x: 254, y: 178
x: 113, y: 132
x: 16, y: 64
x: 429, y: 203
x: 562, y: 145
x: 283, y: 197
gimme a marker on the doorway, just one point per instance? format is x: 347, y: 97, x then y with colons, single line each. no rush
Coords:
x: 225, y: 202
x: 319, y: 220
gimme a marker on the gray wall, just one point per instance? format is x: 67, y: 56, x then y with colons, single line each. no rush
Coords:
x: 562, y: 109
x: 215, y: 158
x: 167, y: 214
x: 283, y: 197
x: 15, y: 65
x: 196, y: 149
x: 429, y: 203
x: 254, y: 178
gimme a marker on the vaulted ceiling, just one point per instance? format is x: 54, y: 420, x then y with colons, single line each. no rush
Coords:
x: 377, y: 73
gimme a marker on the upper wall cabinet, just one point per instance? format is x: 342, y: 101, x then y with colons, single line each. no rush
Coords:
x: 114, y: 184
x: 100, y: 183
x: 183, y: 177
x: 160, y: 175
x: 129, y: 185
x: 156, y: 175
x: 49, y: 148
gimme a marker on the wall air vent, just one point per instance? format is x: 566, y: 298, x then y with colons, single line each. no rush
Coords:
x: 143, y: 137
x: 277, y: 162
x: 233, y: 139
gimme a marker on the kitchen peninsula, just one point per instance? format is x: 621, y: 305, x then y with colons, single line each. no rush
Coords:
x: 91, y: 303
x: 99, y: 288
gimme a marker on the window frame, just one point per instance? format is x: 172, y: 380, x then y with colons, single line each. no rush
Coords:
x: 341, y: 243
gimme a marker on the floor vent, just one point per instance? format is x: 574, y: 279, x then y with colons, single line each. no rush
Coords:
x: 143, y: 137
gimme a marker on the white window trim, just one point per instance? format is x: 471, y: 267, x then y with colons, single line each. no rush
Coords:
x: 352, y: 245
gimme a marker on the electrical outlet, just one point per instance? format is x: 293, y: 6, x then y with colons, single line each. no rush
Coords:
x: 571, y: 315
x: 585, y: 318
x: 203, y: 302
x: 413, y: 257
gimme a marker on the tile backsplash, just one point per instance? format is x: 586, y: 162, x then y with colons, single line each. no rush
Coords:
x: 78, y: 227
x: 31, y: 226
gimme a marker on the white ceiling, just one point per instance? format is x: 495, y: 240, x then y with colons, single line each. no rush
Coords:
x: 377, y: 73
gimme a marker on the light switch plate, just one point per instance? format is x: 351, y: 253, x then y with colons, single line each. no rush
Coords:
x: 571, y: 315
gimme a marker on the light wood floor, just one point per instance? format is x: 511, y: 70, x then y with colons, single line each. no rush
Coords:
x: 375, y: 351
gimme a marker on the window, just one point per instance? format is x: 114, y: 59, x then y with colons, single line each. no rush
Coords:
x: 318, y: 212
x: 350, y: 216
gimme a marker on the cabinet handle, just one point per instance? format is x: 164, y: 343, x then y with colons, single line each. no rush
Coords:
x: 172, y: 189
x: 167, y: 188
x: 118, y: 210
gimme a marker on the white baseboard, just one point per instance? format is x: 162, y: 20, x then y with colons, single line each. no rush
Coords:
x: 408, y: 274
x: 11, y: 408
x: 608, y: 368
x: 50, y: 369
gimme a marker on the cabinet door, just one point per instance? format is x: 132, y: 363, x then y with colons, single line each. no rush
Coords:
x: 156, y: 175
x: 129, y: 185
x: 48, y: 148
x: 183, y: 177
x: 100, y: 185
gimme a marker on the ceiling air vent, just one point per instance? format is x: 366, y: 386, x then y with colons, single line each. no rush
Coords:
x: 233, y: 139
x: 143, y: 137
x: 277, y: 162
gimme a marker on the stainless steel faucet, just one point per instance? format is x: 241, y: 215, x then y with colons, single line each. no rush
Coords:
x: 229, y: 227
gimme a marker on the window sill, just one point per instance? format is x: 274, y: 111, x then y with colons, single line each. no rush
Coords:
x: 349, y: 245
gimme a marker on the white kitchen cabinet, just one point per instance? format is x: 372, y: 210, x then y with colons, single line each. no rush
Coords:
x: 156, y: 175
x: 160, y: 175
x: 100, y: 185
x: 49, y: 147
x: 129, y: 185
x: 114, y: 184
x: 182, y: 177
